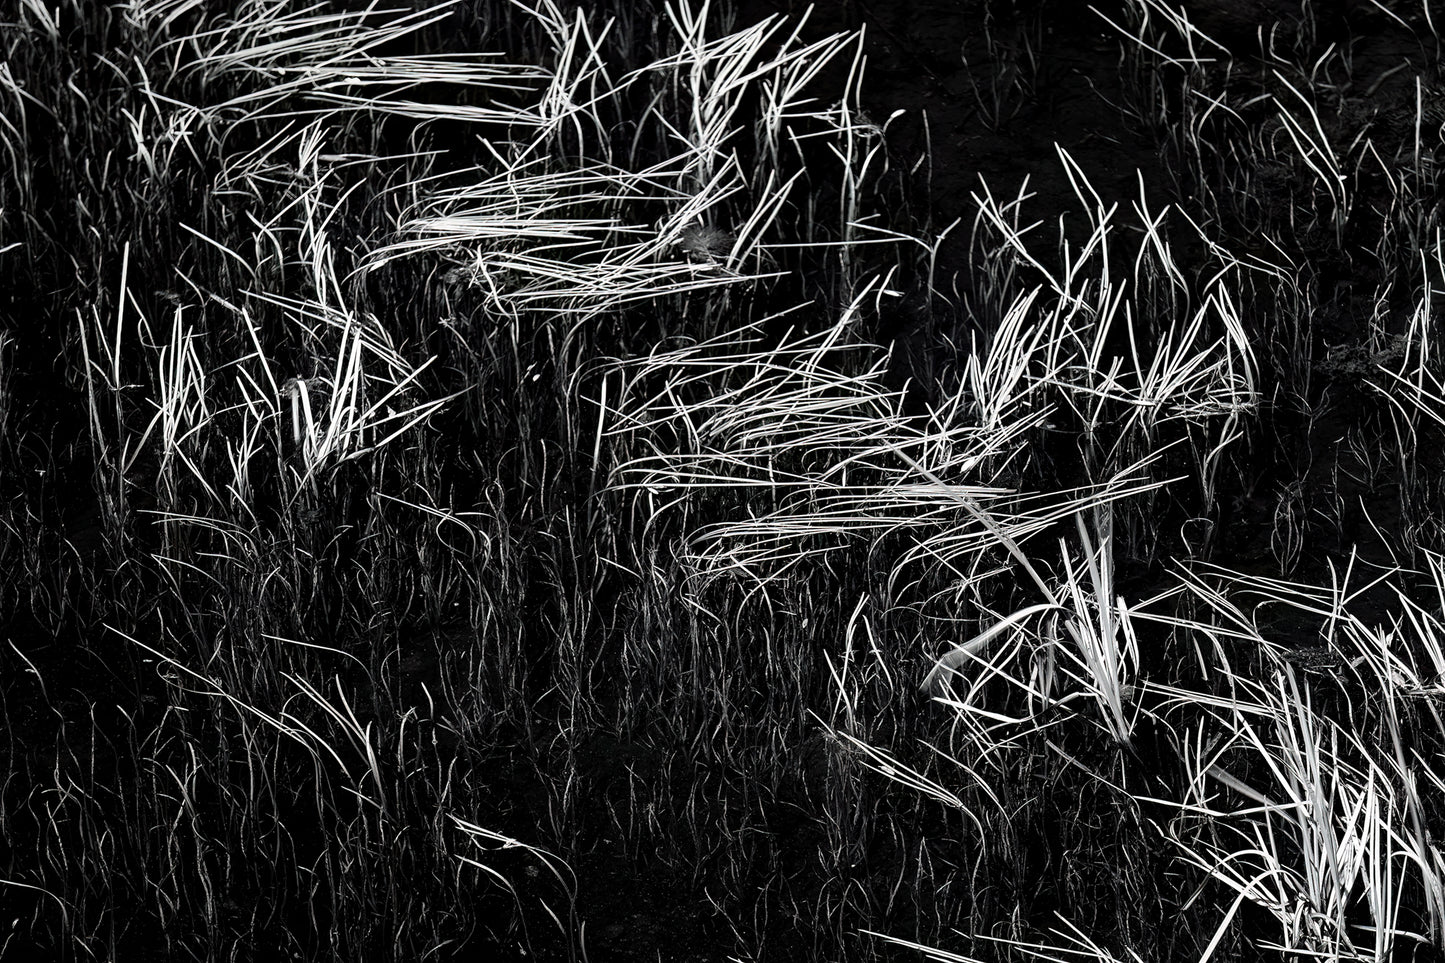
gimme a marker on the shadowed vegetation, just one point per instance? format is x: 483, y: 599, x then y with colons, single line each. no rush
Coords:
x: 503, y: 480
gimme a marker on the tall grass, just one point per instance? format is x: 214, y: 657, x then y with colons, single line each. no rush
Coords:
x: 468, y: 497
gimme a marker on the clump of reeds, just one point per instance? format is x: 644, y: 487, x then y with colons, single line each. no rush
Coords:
x: 479, y: 465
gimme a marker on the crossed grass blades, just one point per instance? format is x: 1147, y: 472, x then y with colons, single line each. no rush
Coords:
x: 439, y: 478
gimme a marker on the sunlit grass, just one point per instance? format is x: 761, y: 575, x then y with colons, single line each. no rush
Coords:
x: 454, y: 453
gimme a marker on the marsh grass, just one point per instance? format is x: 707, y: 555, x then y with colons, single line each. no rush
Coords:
x: 467, y: 497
